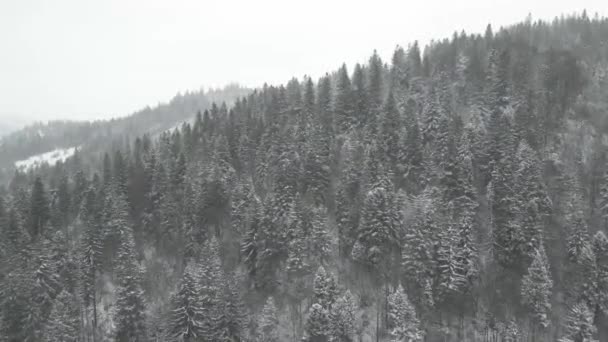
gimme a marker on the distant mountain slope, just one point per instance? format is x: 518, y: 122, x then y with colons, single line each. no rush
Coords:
x: 41, y: 138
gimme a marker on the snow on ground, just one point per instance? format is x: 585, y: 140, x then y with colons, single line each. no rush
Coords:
x: 52, y: 157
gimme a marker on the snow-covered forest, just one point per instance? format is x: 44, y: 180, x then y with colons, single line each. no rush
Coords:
x: 458, y: 192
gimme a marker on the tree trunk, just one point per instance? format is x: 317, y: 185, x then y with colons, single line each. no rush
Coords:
x: 94, y: 314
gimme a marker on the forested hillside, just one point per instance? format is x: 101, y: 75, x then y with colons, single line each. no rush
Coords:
x: 458, y: 193
x: 95, y: 137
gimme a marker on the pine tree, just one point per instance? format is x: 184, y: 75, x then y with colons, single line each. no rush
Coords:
x: 411, y: 148
x: 536, y: 289
x: 91, y: 251
x: 39, y: 208
x: 130, y: 306
x: 318, y: 327
x: 63, y: 323
x: 449, y: 272
x: 390, y: 127
x: 185, y: 320
x: 379, y: 223
x: 600, y: 250
x: 533, y: 202
x: 578, y: 234
x: 235, y: 325
x: 343, y: 102
x: 212, y: 282
x: 604, y: 199
x: 342, y: 318
x: 268, y: 323
x: 579, y: 325
x: 360, y: 96
x: 375, y: 84
x: 325, y: 289
x: 403, y: 323
x: 319, y: 242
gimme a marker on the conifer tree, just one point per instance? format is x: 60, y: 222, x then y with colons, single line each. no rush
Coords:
x: 600, y: 250
x: 342, y: 318
x: 185, y: 320
x: 533, y: 202
x: 130, y: 306
x: 39, y: 208
x: 318, y: 328
x: 390, y: 126
x: 536, y: 289
x: 325, y: 289
x: 360, y: 96
x: 268, y: 323
x: 343, y: 102
x: 579, y: 325
x: 411, y: 148
x: 403, y: 323
x: 379, y: 222
x: 63, y: 323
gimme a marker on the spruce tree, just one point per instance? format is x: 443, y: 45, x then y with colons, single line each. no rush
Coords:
x: 403, y: 323
x: 130, y: 306
x: 342, y: 318
x: 325, y: 289
x: 318, y: 328
x: 185, y: 320
x: 343, y: 102
x: 379, y: 223
x: 536, y: 289
x: 63, y: 324
x: 268, y: 323
x: 39, y: 208
x: 579, y: 325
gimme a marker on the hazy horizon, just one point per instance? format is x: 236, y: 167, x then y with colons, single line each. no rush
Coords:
x: 86, y: 60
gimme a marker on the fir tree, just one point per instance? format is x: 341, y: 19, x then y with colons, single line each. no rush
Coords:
x: 342, y: 318
x: 39, y: 208
x: 130, y: 306
x: 600, y: 250
x: 403, y: 323
x: 343, y: 102
x: 185, y: 321
x: 325, y: 288
x: 379, y: 222
x: 579, y: 325
x: 63, y: 324
x: 268, y: 323
x: 536, y: 289
x: 318, y: 327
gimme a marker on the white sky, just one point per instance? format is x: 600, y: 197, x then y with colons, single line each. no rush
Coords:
x: 84, y: 59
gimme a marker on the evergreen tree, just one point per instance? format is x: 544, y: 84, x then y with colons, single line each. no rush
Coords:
x: 130, y: 306
x: 342, y: 318
x: 268, y: 323
x: 185, y: 322
x: 318, y: 327
x: 579, y: 325
x: 39, y: 208
x: 536, y: 289
x: 63, y: 324
x: 325, y: 288
x: 533, y: 202
x: 403, y: 323
x: 379, y: 223
x: 600, y: 250
x: 343, y: 102
x: 390, y: 127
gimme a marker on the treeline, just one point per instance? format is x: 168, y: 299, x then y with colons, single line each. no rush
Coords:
x: 457, y: 194
x: 95, y: 137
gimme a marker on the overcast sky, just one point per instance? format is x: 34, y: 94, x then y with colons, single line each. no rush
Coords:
x: 83, y: 59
